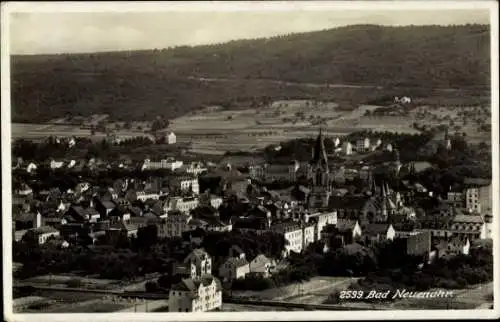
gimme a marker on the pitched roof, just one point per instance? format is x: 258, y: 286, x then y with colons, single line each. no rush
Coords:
x: 346, y: 225
x: 108, y: 204
x: 237, y: 249
x: 462, y: 218
x: 349, y: 202
x: 45, y: 230
x: 236, y: 261
x: 375, y: 229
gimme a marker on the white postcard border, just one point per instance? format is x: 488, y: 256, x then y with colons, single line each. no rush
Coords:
x: 10, y: 7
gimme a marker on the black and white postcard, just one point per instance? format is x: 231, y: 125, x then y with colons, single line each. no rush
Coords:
x: 224, y: 161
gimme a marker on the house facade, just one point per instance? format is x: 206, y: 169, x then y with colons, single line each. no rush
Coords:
x: 171, y: 138
x: 234, y: 268
x: 201, y: 295
x: 175, y: 224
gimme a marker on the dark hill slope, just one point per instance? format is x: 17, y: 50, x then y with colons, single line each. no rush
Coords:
x: 141, y: 84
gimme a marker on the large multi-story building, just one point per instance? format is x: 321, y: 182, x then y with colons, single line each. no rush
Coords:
x: 363, y: 145
x: 195, y: 168
x: 321, y: 219
x: 199, y: 293
x: 199, y: 263
x: 297, y: 235
x: 478, y: 199
x: 175, y: 224
x: 184, y: 205
x: 169, y: 163
x: 185, y: 184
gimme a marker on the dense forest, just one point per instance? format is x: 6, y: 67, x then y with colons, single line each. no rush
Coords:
x: 145, y: 84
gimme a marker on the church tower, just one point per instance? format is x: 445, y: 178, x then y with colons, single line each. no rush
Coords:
x: 319, y: 175
x: 396, y: 163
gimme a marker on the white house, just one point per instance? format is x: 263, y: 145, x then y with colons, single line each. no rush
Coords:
x: 195, y: 168
x: 471, y: 226
x: 43, y: 233
x: 31, y: 167
x: 25, y: 190
x: 402, y: 100
x: 199, y: 263
x: 323, y: 219
x: 363, y: 145
x: 472, y: 200
x: 297, y: 235
x: 234, y: 268
x: 351, y: 227
x: 184, y: 205
x: 347, y: 148
x: 144, y: 195
x: 171, y: 138
x: 196, y: 295
x: 71, y: 142
x: 71, y: 164
x: 56, y: 164
x: 186, y: 184
x: 336, y: 142
x: 261, y: 265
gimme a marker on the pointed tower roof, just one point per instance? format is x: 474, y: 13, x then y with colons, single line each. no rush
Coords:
x: 384, y: 193
x: 373, y: 185
x: 319, y: 152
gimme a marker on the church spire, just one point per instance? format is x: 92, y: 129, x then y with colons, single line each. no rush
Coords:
x: 319, y: 151
x: 373, y: 185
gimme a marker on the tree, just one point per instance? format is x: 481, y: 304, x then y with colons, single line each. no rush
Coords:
x: 147, y: 236
x: 151, y: 287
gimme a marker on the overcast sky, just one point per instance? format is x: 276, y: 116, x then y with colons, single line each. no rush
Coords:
x: 49, y: 32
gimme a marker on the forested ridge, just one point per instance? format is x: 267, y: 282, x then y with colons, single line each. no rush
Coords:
x: 144, y: 84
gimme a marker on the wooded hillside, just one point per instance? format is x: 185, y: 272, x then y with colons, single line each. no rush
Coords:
x: 144, y: 84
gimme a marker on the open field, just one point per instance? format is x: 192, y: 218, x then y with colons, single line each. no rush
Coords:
x: 249, y: 129
x: 63, y: 279
x: 42, y: 131
x: 215, y: 131
x: 459, y: 119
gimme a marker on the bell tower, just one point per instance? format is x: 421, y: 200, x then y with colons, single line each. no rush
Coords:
x: 319, y: 175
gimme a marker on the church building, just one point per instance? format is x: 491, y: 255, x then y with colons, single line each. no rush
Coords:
x: 319, y: 176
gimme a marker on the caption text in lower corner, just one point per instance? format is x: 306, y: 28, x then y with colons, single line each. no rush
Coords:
x: 393, y: 295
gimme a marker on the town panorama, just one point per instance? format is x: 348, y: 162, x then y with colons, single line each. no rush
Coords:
x: 308, y: 171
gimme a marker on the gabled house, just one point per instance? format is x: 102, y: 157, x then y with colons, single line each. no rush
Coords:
x: 104, y: 207
x: 41, y: 234
x: 375, y: 233
x: 201, y: 295
x: 450, y: 248
x: 234, y: 268
x: 350, y: 230
x: 262, y: 266
x: 124, y: 229
x: 199, y: 263
x: 81, y: 214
